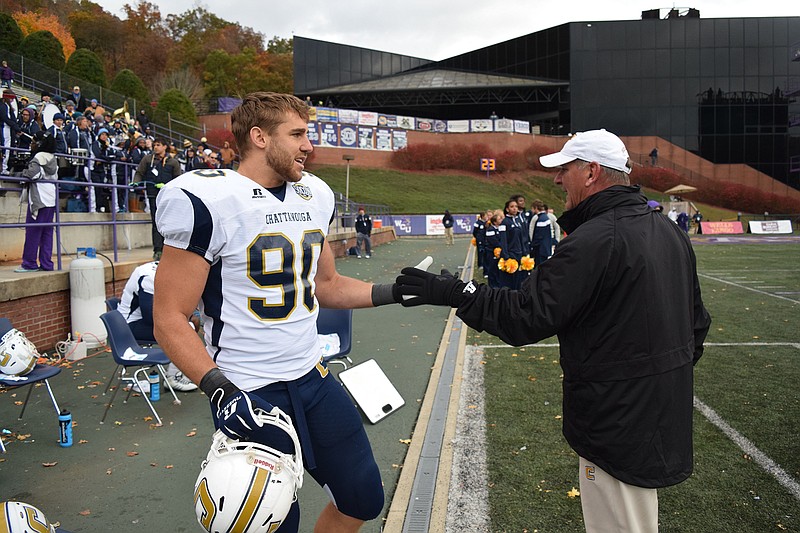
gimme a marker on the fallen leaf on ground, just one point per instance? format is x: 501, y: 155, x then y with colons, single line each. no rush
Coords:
x: 85, y: 512
x: 573, y: 493
x: 169, y: 466
x: 405, y: 441
x: 82, y: 441
x: 132, y: 454
x: 148, y: 418
x: 191, y: 434
x: 54, y: 463
x: 108, y: 472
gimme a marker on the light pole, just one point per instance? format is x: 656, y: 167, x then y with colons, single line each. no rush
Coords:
x: 347, y: 158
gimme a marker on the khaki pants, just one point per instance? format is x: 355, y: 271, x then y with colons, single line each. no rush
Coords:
x: 611, y: 506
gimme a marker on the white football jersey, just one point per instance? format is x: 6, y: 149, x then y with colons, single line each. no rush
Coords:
x: 258, y: 302
x: 142, y: 279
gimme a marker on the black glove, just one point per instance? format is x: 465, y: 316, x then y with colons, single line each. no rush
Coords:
x: 236, y: 412
x: 419, y: 287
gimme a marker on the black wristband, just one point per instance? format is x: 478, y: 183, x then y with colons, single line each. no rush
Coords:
x: 384, y: 293
x: 215, y: 380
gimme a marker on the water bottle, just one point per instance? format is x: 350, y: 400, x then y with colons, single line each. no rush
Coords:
x: 65, y: 429
x: 155, y: 386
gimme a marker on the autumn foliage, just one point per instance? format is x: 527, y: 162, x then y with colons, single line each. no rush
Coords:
x: 30, y: 22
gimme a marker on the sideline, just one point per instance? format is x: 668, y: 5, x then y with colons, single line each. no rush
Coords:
x: 420, y: 499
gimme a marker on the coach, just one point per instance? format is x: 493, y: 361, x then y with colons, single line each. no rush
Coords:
x: 622, y: 294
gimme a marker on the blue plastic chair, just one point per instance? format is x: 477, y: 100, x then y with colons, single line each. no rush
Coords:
x: 128, y: 354
x: 112, y: 303
x: 340, y: 322
x: 39, y: 373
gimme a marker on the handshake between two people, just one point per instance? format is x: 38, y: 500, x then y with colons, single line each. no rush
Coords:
x: 416, y: 286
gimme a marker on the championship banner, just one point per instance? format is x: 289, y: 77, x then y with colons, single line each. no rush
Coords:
x: 329, y: 135
x: 767, y: 227
x: 458, y: 126
x: 721, y: 228
x: 327, y: 114
x: 522, y: 126
x: 366, y: 138
x: 313, y: 133
x: 383, y: 139
x: 367, y: 118
x: 348, y: 116
x: 479, y: 125
x: 399, y: 139
x: 348, y: 136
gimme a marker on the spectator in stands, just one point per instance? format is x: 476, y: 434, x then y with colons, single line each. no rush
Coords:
x: 79, y: 99
x: 143, y: 120
x: 40, y: 195
x: 95, y: 108
x: 79, y: 139
x: 139, y: 150
x: 27, y: 127
x: 154, y: 171
x: 8, y: 124
x: 6, y: 76
x: 227, y: 155
x: 101, y: 159
x: 69, y: 111
x: 193, y: 161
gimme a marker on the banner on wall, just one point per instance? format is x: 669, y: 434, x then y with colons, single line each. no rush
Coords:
x: 424, y: 124
x: 522, y: 126
x: 387, y: 121
x: 440, y: 126
x: 329, y: 134
x: 503, y: 124
x: 433, y: 225
x: 367, y: 118
x: 407, y: 123
x: 348, y: 116
x: 458, y: 126
x: 348, y: 136
x: 313, y: 133
x: 479, y: 125
x: 366, y: 138
x: 399, y: 139
x: 383, y: 139
x: 327, y: 114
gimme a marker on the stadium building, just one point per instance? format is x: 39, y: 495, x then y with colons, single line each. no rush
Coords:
x: 725, y: 89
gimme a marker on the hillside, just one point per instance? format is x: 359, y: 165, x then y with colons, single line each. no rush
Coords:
x: 413, y: 193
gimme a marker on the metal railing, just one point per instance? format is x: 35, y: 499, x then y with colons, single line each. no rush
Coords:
x: 64, y: 186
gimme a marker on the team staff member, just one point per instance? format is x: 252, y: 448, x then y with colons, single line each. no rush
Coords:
x: 622, y: 294
x: 250, y: 246
x: 154, y: 170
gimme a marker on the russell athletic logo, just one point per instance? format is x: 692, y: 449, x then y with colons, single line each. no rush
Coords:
x: 260, y: 462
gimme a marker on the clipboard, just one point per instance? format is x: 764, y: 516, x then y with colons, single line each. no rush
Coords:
x: 372, y: 390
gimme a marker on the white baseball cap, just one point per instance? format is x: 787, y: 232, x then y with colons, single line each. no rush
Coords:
x: 600, y: 146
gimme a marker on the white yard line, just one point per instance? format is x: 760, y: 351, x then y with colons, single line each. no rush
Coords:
x: 761, y: 459
x: 765, y: 293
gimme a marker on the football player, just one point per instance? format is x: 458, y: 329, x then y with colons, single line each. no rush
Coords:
x: 250, y: 246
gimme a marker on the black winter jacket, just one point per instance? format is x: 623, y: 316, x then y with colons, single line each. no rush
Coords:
x: 622, y: 294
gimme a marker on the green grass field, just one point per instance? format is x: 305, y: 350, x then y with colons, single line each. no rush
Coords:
x: 746, y: 474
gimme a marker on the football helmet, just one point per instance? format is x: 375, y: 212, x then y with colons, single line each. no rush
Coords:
x: 248, y: 487
x: 18, y: 355
x: 18, y: 517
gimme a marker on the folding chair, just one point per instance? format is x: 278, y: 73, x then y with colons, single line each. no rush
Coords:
x: 129, y: 354
x: 39, y: 373
x: 112, y: 303
x: 340, y: 322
